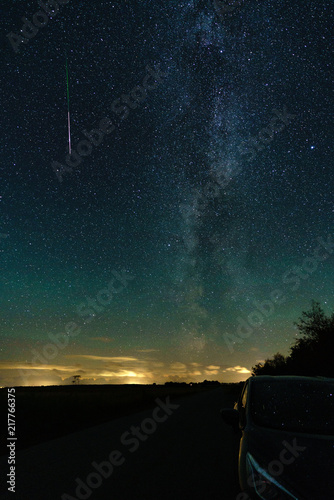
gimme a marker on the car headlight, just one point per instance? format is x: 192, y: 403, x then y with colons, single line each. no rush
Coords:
x: 265, y: 486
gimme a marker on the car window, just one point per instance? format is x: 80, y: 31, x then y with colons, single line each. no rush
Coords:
x: 244, y: 397
x: 294, y: 405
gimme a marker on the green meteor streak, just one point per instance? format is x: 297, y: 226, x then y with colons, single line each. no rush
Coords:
x: 68, y: 90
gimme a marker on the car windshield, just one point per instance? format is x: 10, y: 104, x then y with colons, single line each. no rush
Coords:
x: 294, y: 405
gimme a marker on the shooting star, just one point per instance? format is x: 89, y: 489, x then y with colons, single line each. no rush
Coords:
x: 68, y: 111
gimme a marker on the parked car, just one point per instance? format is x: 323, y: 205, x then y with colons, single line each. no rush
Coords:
x: 286, y: 449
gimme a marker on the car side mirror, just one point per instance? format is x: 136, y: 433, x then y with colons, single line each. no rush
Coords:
x: 230, y: 417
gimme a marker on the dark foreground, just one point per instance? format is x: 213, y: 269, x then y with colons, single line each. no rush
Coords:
x: 45, y: 413
x: 178, y: 449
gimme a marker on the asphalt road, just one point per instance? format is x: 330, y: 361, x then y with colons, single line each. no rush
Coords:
x: 183, y: 451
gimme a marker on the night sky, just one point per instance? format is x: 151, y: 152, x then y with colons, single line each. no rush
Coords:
x: 188, y: 236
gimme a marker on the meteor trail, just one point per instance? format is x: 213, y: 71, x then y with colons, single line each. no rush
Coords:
x: 68, y: 111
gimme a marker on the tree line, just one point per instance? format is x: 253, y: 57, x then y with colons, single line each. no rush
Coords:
x: 311, y: 354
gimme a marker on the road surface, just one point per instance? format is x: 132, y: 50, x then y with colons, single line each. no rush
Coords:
x: 179, y: 450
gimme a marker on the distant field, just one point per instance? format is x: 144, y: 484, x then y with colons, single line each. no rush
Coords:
x: 44, y: 413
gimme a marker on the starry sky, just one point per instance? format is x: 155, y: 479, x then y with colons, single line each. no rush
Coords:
x: 191, y: 232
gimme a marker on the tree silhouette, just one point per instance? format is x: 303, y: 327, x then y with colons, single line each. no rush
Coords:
x: 271, y: 366
x: 76, y: 379
x: 312, y: 354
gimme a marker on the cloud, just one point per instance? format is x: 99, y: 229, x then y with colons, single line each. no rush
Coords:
x: 121, y: 373
x: 114, y: 370
x: 178, y: 366
x: 237, y: 369
x: 119, y: 359
x: 11, y: 365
